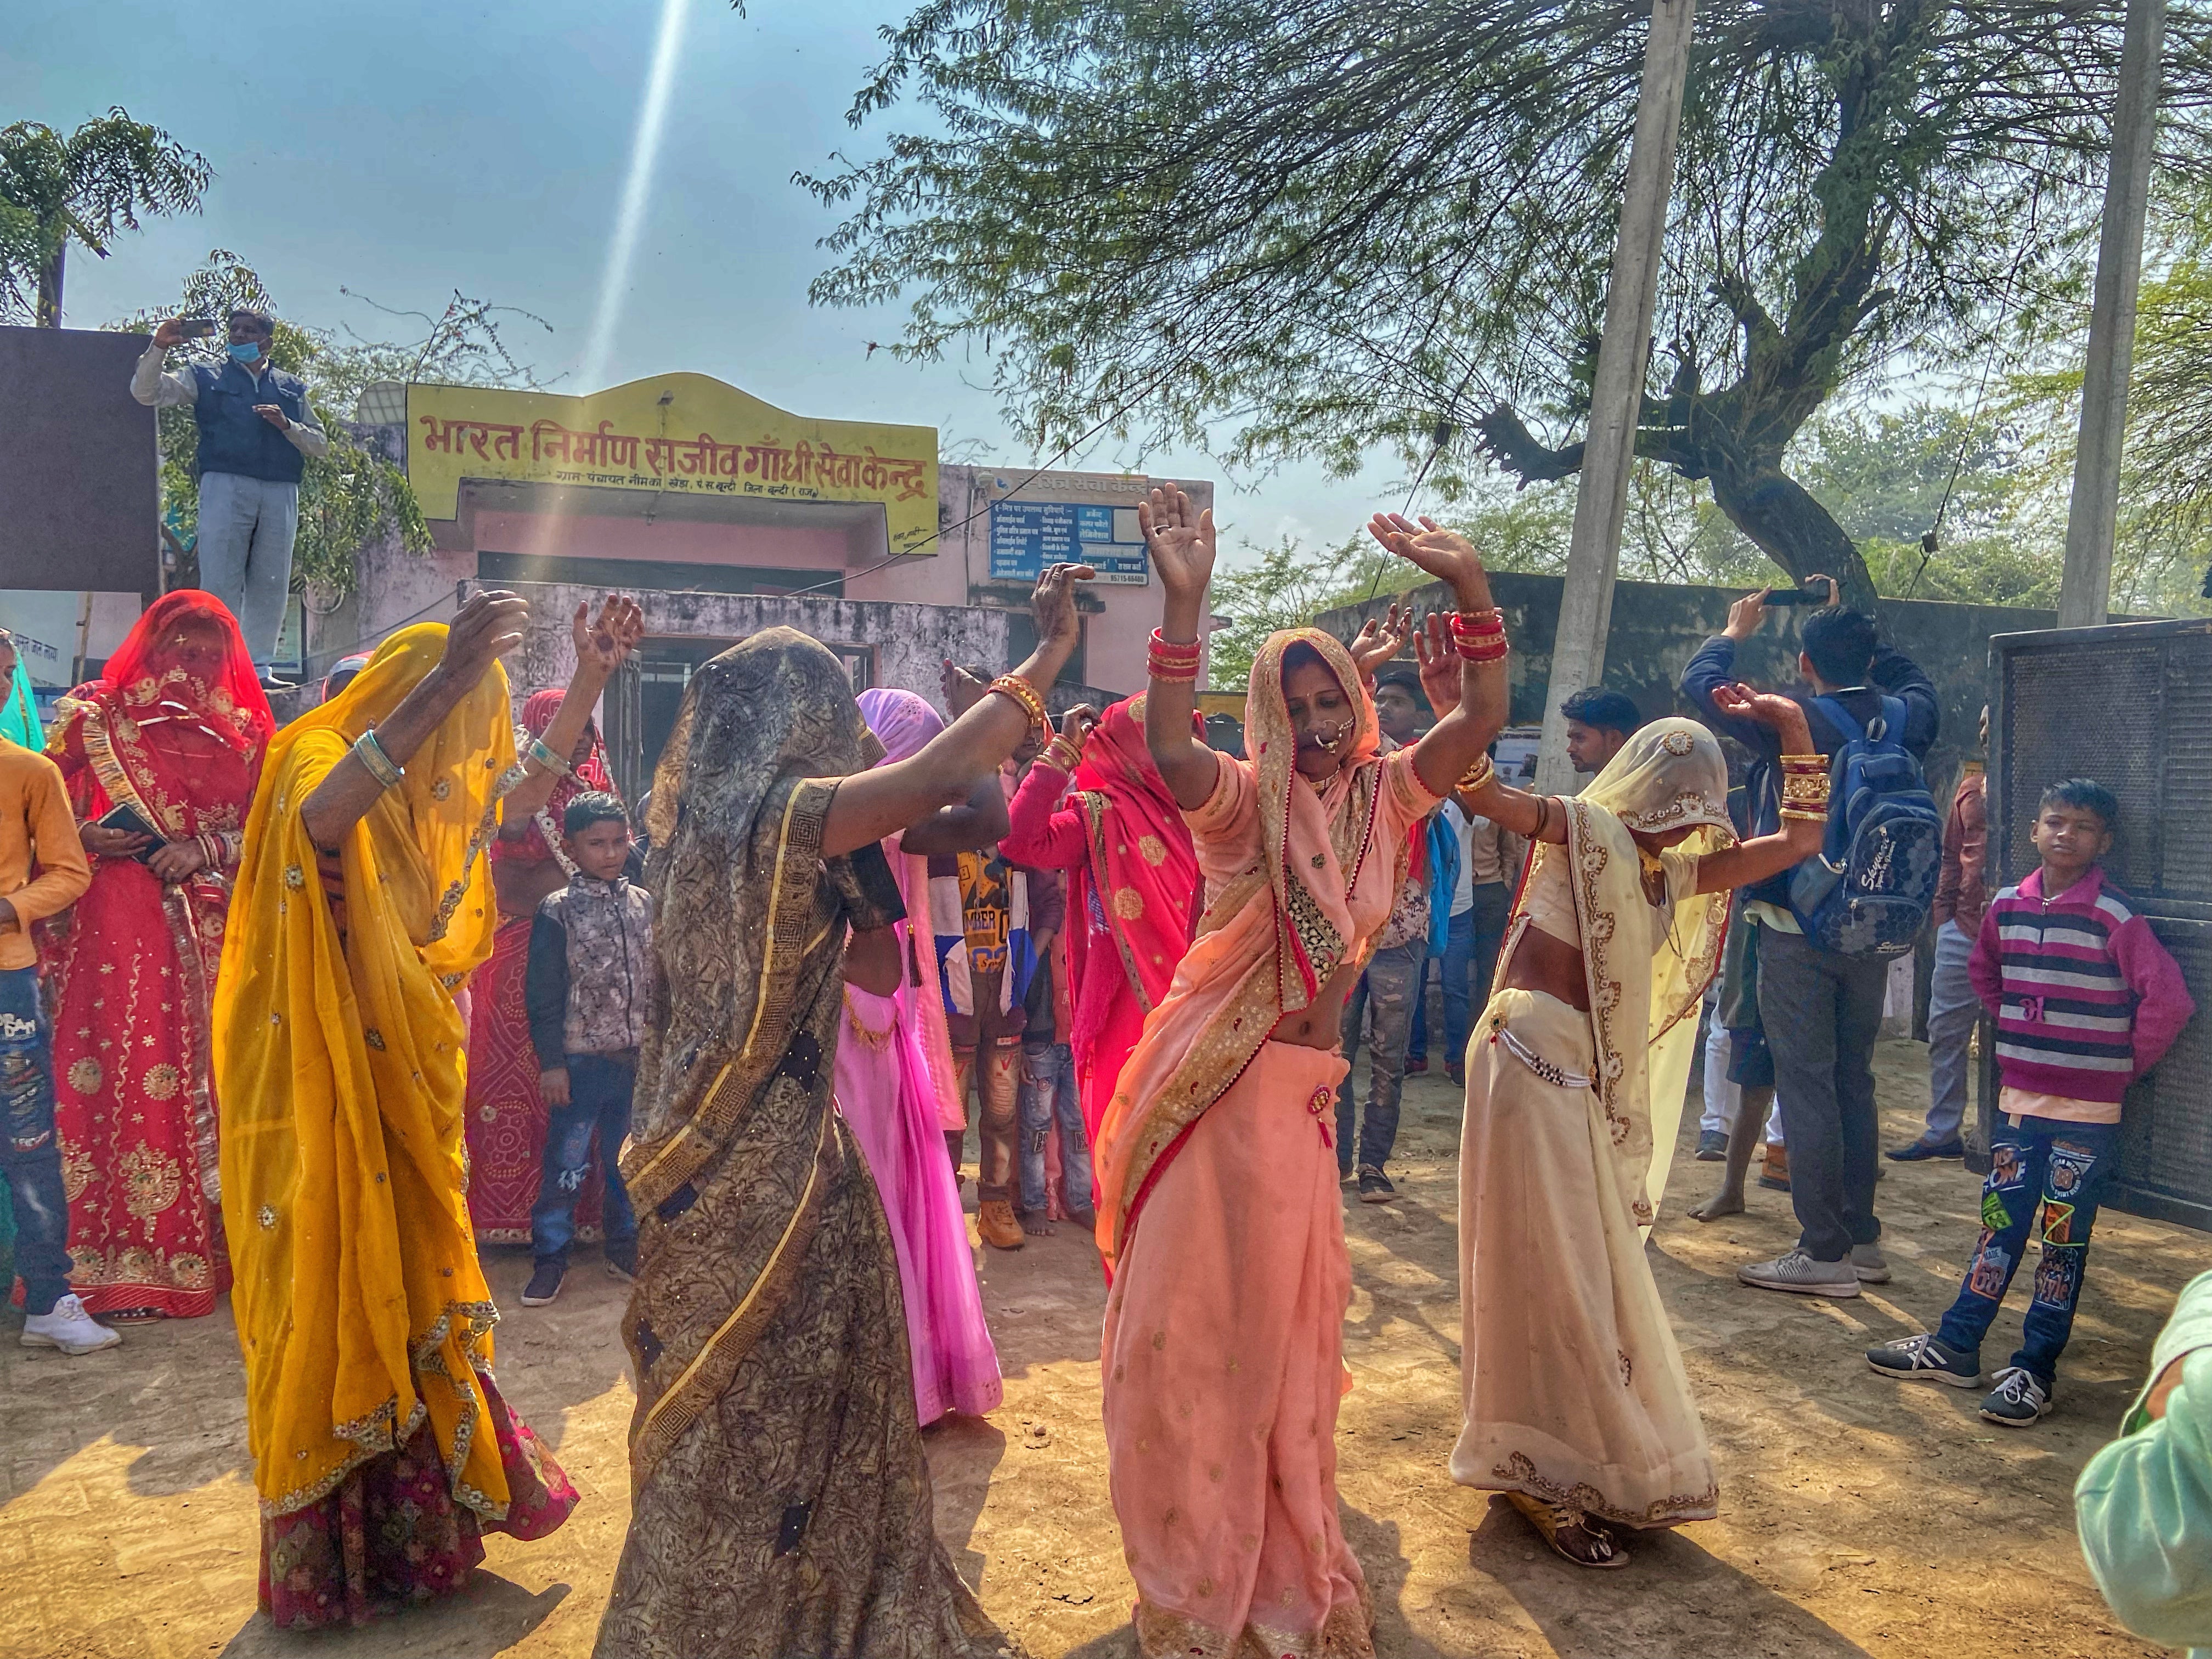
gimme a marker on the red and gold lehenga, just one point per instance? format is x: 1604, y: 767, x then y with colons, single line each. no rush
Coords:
x: 175, y: 731
x: 506, y: 1113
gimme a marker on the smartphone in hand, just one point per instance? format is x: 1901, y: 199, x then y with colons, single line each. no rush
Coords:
x: 195, y: 328
x: 1798, y: 596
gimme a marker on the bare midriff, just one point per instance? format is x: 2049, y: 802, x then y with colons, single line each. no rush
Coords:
x: 1319, y: 1023
x: 1542, y: 962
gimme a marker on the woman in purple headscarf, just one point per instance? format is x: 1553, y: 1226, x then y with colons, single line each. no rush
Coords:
x: 895, y: 1086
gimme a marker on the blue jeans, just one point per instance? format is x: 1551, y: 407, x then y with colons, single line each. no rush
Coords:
x: 599, y: 1089
x: 1049, y: 1094
x: 2043, y: 1175
x: 1471, y: 941
x: 33, y: 1150
x: 247, y: 529
x: 1953, y: 1008
x: 1387, y: 987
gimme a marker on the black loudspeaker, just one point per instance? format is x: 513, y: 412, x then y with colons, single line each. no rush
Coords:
x: 80, y: 499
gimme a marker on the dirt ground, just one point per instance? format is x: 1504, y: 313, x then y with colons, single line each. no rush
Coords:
x: 1857, y: 1517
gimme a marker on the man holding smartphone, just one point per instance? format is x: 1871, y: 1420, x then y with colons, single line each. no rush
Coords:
x: 256, y: 433
x: 1821, y: 1011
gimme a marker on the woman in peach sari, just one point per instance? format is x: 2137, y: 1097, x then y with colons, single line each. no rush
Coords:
x: 1223, y: 1352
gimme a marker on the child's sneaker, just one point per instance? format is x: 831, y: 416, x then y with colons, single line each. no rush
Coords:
x: 69, y: 1328
x: 544, y: 1282
x: 622, y: 1258
x: 1914, y: 1356
x: 2018, y: 1398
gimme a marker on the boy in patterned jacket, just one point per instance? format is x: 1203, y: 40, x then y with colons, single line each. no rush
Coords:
x: 2085, y: 1000
x: 586, y: 991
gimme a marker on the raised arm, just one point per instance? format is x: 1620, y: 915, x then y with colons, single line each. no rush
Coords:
x: 1799, y: 838
x: 871, y: 804
x: 601, y: 647
x: 1181, y: 541
x: 977, y: 822
x: 486, y: 629
x: 1041, y: 832
x: 1460, y: 737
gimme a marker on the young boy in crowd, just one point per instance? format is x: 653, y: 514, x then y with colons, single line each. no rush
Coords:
x: 37, y: 834
x: 586, y: 988
x: 1049, y: 1100
x: 2085, y: 1000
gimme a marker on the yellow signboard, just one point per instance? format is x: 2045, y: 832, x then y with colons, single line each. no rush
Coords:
x: 686, y: 434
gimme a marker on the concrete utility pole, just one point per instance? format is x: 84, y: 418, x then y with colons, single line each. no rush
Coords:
x: 2086, y: 589
x: 1617, y: 392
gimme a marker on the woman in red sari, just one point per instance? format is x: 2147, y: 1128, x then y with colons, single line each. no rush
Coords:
x: 174, y: 732
x: 1132, y: 892
x: 506, y: 1115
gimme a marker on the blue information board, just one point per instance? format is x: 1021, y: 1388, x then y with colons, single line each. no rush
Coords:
x: 1027, y: 536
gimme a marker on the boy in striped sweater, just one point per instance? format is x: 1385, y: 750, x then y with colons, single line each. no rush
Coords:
x: 2085, y: 1000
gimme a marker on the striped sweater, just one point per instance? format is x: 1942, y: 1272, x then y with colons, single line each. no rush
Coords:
x: 2085, y: 999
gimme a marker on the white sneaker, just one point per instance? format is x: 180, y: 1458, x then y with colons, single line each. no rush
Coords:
x: 69, y: 1328
x: 1794, y: 1271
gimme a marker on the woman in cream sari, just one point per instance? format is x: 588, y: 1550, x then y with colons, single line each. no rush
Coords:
x: 1219, y: 1210
x: 1577, y: 1404
x: 383, y: 1449
x: 780, y: 1502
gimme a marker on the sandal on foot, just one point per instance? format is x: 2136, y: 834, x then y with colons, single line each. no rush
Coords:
x: 1581, y: 1538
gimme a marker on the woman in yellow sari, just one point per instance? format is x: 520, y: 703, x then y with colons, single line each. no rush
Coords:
x: 383, y: 1449
x: 1219, y: 1211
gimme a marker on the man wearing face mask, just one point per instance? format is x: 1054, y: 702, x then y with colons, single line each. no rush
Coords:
x: 256, y: 431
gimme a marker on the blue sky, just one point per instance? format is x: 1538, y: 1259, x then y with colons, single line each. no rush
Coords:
x: 405, y: 149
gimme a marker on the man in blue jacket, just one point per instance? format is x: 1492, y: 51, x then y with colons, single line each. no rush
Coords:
x: 256, y: 433
x: 1821, y: 1011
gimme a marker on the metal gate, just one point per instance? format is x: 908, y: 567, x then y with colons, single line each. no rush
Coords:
x: 2131, y: 707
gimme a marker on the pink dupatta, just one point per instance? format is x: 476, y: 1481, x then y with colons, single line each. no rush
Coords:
x: 904, y: 724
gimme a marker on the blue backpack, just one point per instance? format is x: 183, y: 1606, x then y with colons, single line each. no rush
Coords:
x: 1868, y: 890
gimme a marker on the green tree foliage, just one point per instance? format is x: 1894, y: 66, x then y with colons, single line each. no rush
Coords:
x: 82, y: 186
x: 1329, y: 224
x: 355, y: 494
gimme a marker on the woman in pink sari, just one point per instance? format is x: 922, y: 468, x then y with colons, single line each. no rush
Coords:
x: 1133, y: 889
x: 893, y: 1076
x: 1224, y: 1353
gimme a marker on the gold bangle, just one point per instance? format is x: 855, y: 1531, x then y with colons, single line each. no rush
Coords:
x: 1061, y: 755
x: 1805, y: 815
x: 1023, y: 694
x: 1477, y: 775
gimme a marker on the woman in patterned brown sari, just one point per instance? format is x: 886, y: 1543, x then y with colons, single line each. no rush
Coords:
x: 780, y: 1503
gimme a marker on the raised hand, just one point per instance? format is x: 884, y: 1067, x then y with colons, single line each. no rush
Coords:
x: 1783, y: 714
x: 1440, y: 664
x: 485, y: 629
x: 1378, y: 642
x: 962, y: 689
x: 603, y: 643
x: 1053, y: 605
x: 1445, y: 554
x: 1181, y: 541
x: 1745, y: 615
x: 1076, y: 723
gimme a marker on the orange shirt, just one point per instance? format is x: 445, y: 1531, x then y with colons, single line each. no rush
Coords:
x: 35, y: 825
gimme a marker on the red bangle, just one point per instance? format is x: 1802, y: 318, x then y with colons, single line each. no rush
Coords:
x: 1487, y: 624
x: 1184, y: 651
x: 1171, y: 661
